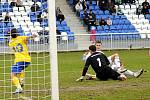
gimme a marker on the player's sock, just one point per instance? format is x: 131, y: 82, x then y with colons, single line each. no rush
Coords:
x: 129, y: 73
x: 15, y: 81
x: 21, y: 78
x: 117, y: 61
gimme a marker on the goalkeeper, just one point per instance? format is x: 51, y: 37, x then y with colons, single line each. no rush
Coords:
x: 100, y: 65
x: 22, y: 58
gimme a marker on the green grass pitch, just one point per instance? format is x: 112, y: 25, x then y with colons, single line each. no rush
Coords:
x: 37, y: 81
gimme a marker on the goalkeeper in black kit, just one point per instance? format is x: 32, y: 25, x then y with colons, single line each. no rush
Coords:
x: 100, y: 65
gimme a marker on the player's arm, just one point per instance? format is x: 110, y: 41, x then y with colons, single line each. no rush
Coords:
x: 32, y: 36
x: 83, y: 74
x: 85, y: 69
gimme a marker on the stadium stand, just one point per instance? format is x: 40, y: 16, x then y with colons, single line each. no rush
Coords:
x: 124, y: 21
x: 28, y: 21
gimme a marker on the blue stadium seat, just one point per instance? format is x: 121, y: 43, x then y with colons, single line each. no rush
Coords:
x: 20, y: 30
x: 2, y: 39
x: 87, y: 2
x: 64, y: 23
x: 116, y: 17
x: 101, y: 12
x: 96, y: 7
x: 112, y: 27
x: 106, y: 12
x: 127, y: 22
x: 66, y: 28
x: 99, y: 28
x: 94, y: 11
x: 71, y: 37
x: 106, y: 28
x: 33, y: 19
x: 60, y: 28
x: 58, y: 23
x: 98, y: 17
x: 123, y: 17
x: 105, y: 16
x: 6, y: 5
x: 93, y: 2
x: 147, y: 16
x: 119, y: 27
x: 111, y: 16
x: 91, y: 7
x: 81, y: 14
x: 121, y: 22
x: 115, y: 22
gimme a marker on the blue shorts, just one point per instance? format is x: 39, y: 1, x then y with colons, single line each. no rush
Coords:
x: 19, y: 66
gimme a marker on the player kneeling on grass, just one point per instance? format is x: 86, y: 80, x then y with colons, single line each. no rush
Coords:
x: 22, y: 58
x: 100, y: 65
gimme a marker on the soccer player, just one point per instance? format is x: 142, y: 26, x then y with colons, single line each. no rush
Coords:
x: 100, y: 65
x: 115, y: 62
x: 22, y: 58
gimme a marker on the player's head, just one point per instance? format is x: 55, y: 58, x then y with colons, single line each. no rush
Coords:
x: 14, y: 33
x: 92, y: 48
x: 98, y: 45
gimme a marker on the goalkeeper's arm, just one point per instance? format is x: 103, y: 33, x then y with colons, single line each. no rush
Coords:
x: 83, y: 74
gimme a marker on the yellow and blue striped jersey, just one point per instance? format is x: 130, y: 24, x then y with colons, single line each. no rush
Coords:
x: 19, y: 44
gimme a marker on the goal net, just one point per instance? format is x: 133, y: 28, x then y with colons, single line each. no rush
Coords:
x: 27, y: 17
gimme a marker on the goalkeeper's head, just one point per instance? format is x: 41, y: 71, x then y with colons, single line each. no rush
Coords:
x: 14, y: 33
x: 92, y: 48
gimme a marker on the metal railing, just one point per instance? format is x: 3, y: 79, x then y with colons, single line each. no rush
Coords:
x: 78, y: 42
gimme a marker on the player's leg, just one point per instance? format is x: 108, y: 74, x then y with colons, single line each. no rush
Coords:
x: 133, y: 74
x: 21, y: 78
x: 15, y: 80
x: 115, y: 75
x: 108, y: 73
x: 120, y: 69
x: 22, y: 73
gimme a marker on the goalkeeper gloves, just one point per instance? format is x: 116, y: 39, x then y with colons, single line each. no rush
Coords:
x: 80, y: 79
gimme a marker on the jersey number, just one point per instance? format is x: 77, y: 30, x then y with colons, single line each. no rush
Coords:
x: 19, y: 48
x: 99, y: 62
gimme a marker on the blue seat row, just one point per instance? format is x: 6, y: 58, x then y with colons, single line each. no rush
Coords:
x: 118, y: 37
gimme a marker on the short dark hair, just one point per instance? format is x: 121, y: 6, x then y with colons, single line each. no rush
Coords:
x: 14, y: 33
x: 92, y: 48
x: 98, y: 42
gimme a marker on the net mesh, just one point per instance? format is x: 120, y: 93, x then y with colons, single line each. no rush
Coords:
x: 27, y: 17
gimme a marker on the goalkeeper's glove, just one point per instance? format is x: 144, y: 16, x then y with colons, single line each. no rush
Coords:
x: 80, y: 79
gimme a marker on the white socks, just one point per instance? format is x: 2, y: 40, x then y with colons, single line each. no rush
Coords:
x: 129, y: 73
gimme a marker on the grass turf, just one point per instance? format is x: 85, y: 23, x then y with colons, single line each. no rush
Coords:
x: 37, y: 81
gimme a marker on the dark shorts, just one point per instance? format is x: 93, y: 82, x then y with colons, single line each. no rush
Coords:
x: 19, y: 66
x: 107, y: 73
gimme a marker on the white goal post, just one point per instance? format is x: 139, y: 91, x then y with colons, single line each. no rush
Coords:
x: 53, y: 50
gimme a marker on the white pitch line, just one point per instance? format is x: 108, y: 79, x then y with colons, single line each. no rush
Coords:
x: 25, y: 98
